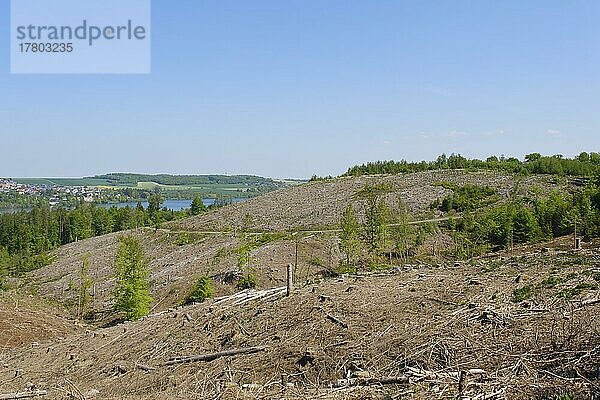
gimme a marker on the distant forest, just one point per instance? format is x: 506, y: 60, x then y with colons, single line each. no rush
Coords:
x: 584, y: 165
x: 27, y: 237
x: 125, y: 179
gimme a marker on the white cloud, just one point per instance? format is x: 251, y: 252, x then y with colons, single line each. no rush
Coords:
x: 554, y: 132
x: 499, y: 132
x: 449, y: 134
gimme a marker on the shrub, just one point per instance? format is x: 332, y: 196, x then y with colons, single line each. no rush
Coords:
x: 201, y: 291
x: 345, y: 268
x: 524, y: 293
x: 248, y: 282
x: 570, y: 293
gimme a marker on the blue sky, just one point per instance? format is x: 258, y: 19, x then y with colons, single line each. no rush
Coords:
x: 294, y: 88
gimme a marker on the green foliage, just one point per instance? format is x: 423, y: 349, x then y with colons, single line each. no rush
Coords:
x: 371, y: 192
x: 185, y: 180
x: 249, y: 281
x: 201, y: 291
x: 570, y: 293
x: 523, y: 293
x: 554, y: 214
x: 467, y: 198
x: 154, y: 203
x: 197, y: 206
x: 316, y: 178
x: 501, y: 226
x: 131, y: 290
x: 551, y: 282
x: 525, y: 228
x: 247, y: 223
x: 402, y: 235
x: 343, y: 269
x: 85, y: 284
x: 350, y: 242
x: 564, y: 396
x: 183, y: 239
x: 584, y: 165
x: 5, y: 262
x: 377, y: 266
x: 547, y: 216
x: 28, y: 237
x: 375, y: 226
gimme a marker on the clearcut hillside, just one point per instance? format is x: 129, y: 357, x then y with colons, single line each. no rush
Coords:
x: 210, y: 244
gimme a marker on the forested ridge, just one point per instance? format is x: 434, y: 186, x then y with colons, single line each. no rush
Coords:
x: 183, y: 180
x: 585, y: 165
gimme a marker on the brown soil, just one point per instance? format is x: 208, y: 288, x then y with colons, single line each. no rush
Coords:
x: 423, y: 323
x: 25, y: 322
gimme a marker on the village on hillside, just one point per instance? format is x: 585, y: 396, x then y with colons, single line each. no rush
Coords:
x: 56, y: 194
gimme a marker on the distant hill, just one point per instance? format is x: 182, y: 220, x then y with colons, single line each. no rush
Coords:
x: 127, y: 179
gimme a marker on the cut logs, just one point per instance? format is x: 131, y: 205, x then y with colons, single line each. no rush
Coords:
x: 23, y: 395
x: 214, y: 356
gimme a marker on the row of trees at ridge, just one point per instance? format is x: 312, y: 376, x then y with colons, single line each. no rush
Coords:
x: 186, y: 180
x: 586, y: 164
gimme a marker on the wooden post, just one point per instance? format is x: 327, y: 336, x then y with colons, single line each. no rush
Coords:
x: 296, y: 256
x: 576, y: 239
x: 290, y: 279
x: 461, y: 383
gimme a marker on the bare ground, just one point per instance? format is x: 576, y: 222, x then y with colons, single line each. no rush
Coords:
x: 25, y: 321
x: 177, y: 259
x: 338, y: 339
x: 318, y: 204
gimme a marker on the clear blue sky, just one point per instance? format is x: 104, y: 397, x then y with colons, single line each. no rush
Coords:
x: 301, y: 87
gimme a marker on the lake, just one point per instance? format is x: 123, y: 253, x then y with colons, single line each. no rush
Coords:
x: 175, y: 205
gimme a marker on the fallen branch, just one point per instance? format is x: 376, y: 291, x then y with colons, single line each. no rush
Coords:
x: 23, y: 395
x: 336, y: 320
x: 214, y: 356
x: 387, y: 380
x: 590, y: 302
x: 489, y: 396
x: 146, y: 368
x: 391, y: 380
